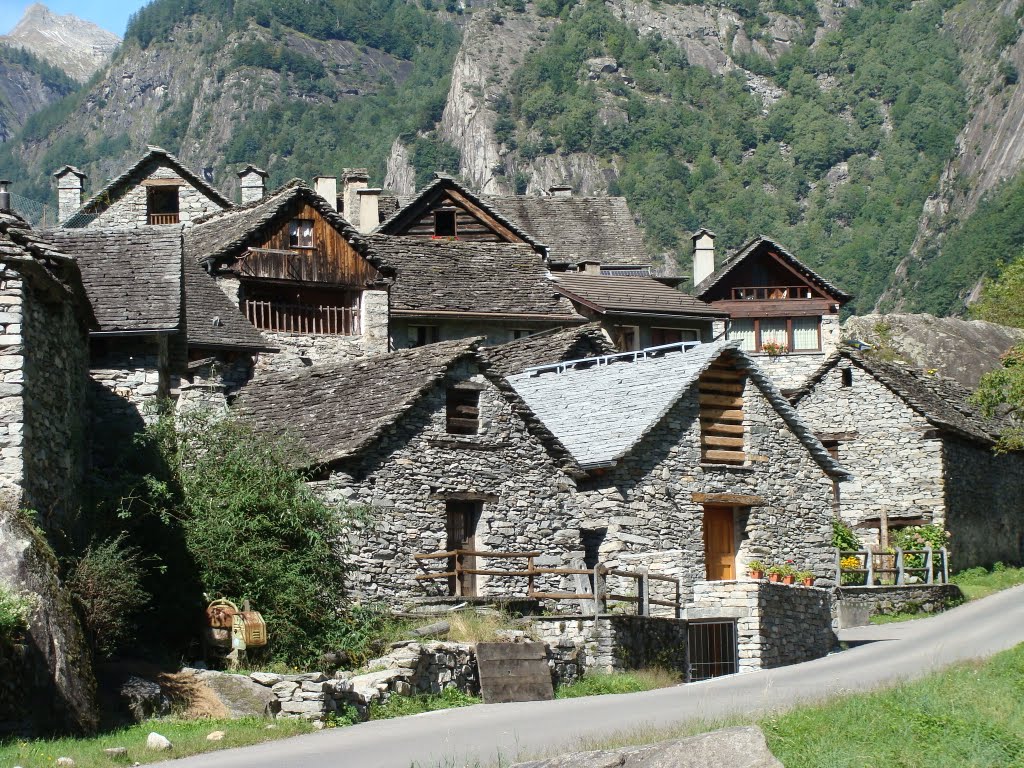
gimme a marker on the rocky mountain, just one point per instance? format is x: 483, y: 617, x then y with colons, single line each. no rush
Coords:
x: 77, y: 47
x: 869, y: 136
x: 27, y: 85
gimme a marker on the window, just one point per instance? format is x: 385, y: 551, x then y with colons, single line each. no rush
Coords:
x: 521, y: 333
x: 661, y: 336
x: 847, y: 374
x: 798, y: 334
x: 444, y: 223
x: 463, y: 411
x: 162, y: 205
x: 286, y: 309
x: 300, y: 233
x: 720, y: 398
x: 626, y: 338
x: 421, y: 335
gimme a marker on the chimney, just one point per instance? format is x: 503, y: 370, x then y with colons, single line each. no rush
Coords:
x: 703, y: 255
x: 369, y: 209
x: 327, y: 188
x: 5, y: 196
x: 70, y: 187
x: 589, y: 267
x: 352, y: 180
x: 560, y: 190
x: 254, y: 183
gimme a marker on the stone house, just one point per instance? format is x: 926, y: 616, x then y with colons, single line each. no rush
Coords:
x: 449, y: 452
x: 156, y: 190
x: 297, y: 271
x: 920, y: 453
x: 779, y: 309
x: 45, y: 317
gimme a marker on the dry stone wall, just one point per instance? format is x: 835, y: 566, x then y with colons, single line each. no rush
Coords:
x: 909, y: 599
x: 791, y: 371
x: 131, y: 211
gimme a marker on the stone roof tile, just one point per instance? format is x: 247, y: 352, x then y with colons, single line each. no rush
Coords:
x: 631, y: 294
x: 552, y: 346
x: 211, y: 320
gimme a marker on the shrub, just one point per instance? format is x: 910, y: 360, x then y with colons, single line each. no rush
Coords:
x: 844, y: 538
x: 919, y: 537
x: 106, y: 583
x: 14, y: 610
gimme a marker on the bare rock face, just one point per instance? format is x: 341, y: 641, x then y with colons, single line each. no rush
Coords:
x: 23, y: 92
x: 400, y: 176
x: 960, y: 349
x: 241, y: 696
x: 743, y: 747
x: 55, y: 686
x: 78, y: 47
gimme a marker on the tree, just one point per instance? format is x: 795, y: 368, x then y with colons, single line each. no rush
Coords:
x: 1000, y: 300
x: 1001, y: 393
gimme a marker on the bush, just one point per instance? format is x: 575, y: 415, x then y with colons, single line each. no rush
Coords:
x: 106, y: 583
x: 14, y: 610
x: 844, y: 538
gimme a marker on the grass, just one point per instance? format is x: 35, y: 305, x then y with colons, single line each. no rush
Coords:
x: 893, y: 618
x: 187, y: 736
x: 400, y: 706
x: 977, y: 583
x: 598, y: 684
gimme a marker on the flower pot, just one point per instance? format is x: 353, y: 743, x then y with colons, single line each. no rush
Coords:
x: 788, y: 579
x: 774, y: 578
x: 808, y: 582
x: 757, y: 574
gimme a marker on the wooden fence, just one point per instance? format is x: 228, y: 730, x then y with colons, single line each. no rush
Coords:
x: 598, y: 576
x: 302, y: 318
x: 934, y: 568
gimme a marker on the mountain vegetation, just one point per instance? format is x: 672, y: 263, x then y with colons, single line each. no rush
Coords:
x: 832, y: 143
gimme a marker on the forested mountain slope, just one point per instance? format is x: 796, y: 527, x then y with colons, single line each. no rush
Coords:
x: 831, y: 125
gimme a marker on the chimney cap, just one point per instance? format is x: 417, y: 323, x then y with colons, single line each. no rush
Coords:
x: 701, y: 232
x: 324, y: 176
x: 369, y: 191
x: 560, y: 190
x: 61, y: 172
x: 355, y: 174
x: 250, y: 168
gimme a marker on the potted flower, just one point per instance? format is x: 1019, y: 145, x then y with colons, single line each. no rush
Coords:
x: 756, y: 569
x: 788, y: 573
x: 775, y: 573
x: 806, y: 578
x: 774, y: 348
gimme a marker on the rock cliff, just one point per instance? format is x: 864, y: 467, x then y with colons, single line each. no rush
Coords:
x: 78, y: 47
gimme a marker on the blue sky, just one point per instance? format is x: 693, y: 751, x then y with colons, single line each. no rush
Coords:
x: 109, y: 14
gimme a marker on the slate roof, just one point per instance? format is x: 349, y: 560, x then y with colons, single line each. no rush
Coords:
x: 576, y: 229
x: 102, y: 200
x: 226, y: 234
x: 613, y: 295
x: 42, y: 261
x: 211, y: 320
x: 131, y: 276
x: 497, y: 279
x: 336, y: 410
x: 600, y: 413
x: 943, y: 402
x: 411, y: 210
x: 551, y: 346
x: 715, y: 277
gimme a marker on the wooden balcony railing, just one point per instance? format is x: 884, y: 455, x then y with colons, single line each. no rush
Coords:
x: 928, y: 566
x: 599, y: 595
x: 163, y: 218
x: 303, y: 319
x: 772, y: 293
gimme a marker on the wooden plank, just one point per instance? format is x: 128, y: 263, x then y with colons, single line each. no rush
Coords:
x: 722, y: 442
x: 513, y: 672
x: 720, y: 428
x: 726, y: 457
x: 721, y: 414
x: 722, y: 400
x: 720, y: 387
x: 734, y: 499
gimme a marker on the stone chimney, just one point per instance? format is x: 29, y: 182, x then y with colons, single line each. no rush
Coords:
x: 352, y: 180
x: 5, y: 196
x: 327, y: 188
x: 589, y: 267
x: 560, y: 190
x: 254, y: 183
x: 369, y: 209
x: 70, y: 189
x: 703, y: 255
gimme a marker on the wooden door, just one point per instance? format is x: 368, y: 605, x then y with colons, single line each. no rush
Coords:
x: 462, y: 517
x: 719, y: 543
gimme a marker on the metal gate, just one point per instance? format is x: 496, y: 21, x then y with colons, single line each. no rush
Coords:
x: 711, y: 649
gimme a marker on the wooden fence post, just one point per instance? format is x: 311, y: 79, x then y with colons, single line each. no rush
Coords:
x: 643, y: 584
x: 945, y: 566
x: 839, y: 567
x: 899, y: 567
x: 869, y: 557
x: 599, y: 589
x: 679, y: 598
x: 529, y: 579
x: 929, y: 564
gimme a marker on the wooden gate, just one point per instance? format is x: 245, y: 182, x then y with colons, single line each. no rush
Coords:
x: 462, y: 517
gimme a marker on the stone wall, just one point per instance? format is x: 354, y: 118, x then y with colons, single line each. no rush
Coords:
x: 791, y: 370
x: 130, y: 210
x: 776, y: 624
x: 984, y: 495
x: 893, y: 453
x: 930, y: 598
x: 407, y: 477
x: 493, y: 331
x: 609, y: 642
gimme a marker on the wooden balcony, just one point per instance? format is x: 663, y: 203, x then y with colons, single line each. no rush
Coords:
x: 325, y: 320
x: 163, y: 218
x: 772, y: 293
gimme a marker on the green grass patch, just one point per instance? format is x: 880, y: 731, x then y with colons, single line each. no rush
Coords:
x: 598, y: 684
x: 976, y: 583
x: 400, y: 706
x: 187, y: 736
x: 893, y: 618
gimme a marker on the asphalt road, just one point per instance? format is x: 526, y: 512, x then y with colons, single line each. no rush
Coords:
x: 879, y: 655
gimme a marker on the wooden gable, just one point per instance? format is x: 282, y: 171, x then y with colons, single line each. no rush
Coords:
x: 329, y: 258
x: 473, y: 221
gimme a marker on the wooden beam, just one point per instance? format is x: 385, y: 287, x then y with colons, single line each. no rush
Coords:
x: 715, y: 427
x: 725, y: 457
x: 721, y: 414
x: 736, y: 499
x: 722, y: 442
x: 720, y: 387
x: 490, y: 221
x: 722, y: 400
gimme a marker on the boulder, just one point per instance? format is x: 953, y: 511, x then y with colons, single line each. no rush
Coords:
x: 266, y: 678
x: 143, y: 699
x: 742, y: 747
x: 240, y: 695
x: 115, y: 751
x: 158, y: 743
x: 216, y: 736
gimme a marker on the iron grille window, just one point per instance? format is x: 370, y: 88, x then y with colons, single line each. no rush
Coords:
x: 711, y: 647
